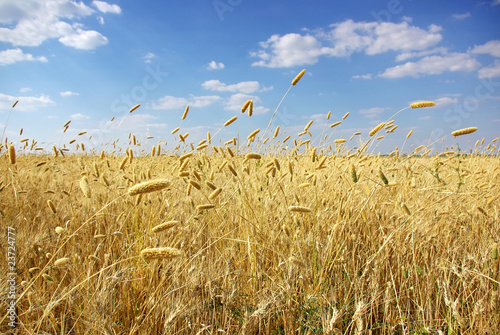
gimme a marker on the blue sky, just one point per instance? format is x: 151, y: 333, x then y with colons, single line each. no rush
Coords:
x: 91, y: 60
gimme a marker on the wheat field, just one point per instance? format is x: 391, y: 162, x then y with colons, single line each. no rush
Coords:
x: 256, y: 236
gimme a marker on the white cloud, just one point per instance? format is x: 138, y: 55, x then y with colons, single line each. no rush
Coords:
x: 25, y: 89
x: 32, y: 22
x: 68, y: 93
x: 169, y: 102
x: 344, y: 39
x: 289, y: 50
x: 423, y: 118
x: 25, y: 104
x: 12, y: 56
x: 148, y: 57
x: 446, y: 101
x: 407, y: 55
x: 236, y: 101
x: 243, y: 86
x: 491, y: 47
x: 461, y: 16
x: 84, y: 39
x: 78, y: 116
x: 363, y: 76
x: 100, y: 19
x: 105, y: 7
x: 370, y: 113
x: 433, y: 65
x: 491, y: 71
x: 495, y: 3
x: 213, y: 65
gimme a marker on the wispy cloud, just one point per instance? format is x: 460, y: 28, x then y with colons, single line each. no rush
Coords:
x: 79, y: 116
x: 461, y: 16
x: 148, y: 57
x: 169, y: 102
x: 371, y: 112
x: 243, y: 86
x: 433, y: 65
x: 68, y: 93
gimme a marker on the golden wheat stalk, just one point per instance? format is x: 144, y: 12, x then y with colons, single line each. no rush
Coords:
x: 376, y: 129
x: 345, y: 115
x: 231, y: 120
x: 52, y: 206
x: 12, y: 154
x: 422, y: 104
x: 252, y: 155
x: 297, y: 77
x: 245, y: 106
x: 215, y: 193
x: 253, y: 133
x: 149, y: 186
x: 299, y: 209
x: 306, y: 128
x: 134, y: 108
x: 84, y: 186
x: 61, y: 262
x: 175, y: 130
x: 464, y: 131
x: 205, y: 206
x: 185, y: 113
x: 164, y: 226
x: 160, y: 253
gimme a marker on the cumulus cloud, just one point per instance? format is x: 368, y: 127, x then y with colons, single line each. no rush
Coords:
x: 491, y: 47
x: 12, y: 56
x: 490, y: 71
x: 213, y: 65
x: 105, y: 7
x: 243, y: 86
x: 84, y: 39
x: 169, y: 102
x: 342, y: 40
x: 26, y: 103
x: 433, y: 65
x: 30, y: 23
